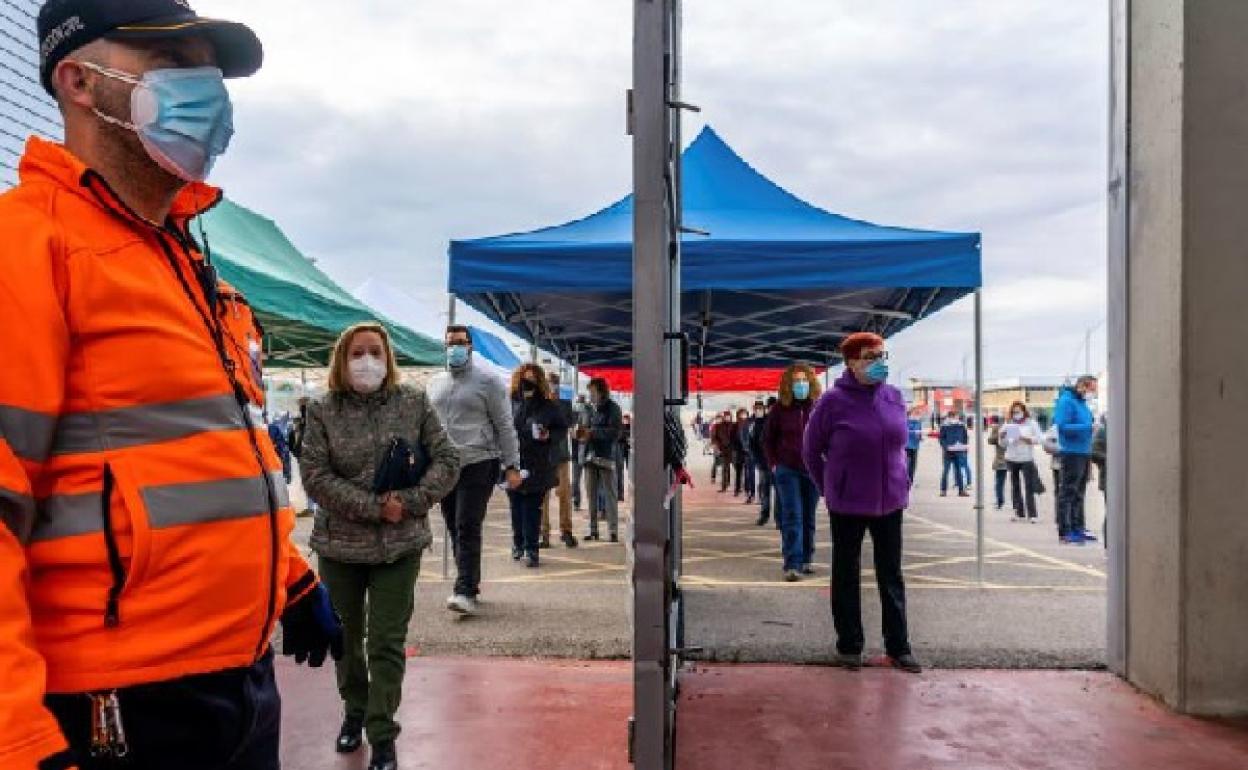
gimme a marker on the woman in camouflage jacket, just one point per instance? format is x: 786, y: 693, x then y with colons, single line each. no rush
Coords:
x: 369, y: 546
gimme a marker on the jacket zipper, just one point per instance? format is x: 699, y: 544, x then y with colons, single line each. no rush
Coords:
x: 240, y: 396
x: 112, y: 608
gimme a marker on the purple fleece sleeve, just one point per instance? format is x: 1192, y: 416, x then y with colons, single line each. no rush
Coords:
x: 815, y: 439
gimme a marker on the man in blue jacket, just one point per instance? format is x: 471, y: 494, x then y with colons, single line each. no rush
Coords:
x: 954, y: 441
x: 1074, y: 418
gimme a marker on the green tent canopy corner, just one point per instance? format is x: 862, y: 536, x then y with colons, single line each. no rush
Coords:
x: 302, y: 310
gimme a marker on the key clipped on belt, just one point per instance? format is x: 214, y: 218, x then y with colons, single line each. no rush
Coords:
x: 108, y: 735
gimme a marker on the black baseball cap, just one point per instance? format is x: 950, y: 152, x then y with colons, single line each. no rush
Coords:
x: 66, y: 25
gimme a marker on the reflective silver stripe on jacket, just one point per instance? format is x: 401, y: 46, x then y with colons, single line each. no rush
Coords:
x: 28, y: 433
x: 147, y: 424
x: 169, y: 505
x: 18, y: 513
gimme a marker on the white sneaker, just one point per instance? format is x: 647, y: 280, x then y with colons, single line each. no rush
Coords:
x: 464, y: 605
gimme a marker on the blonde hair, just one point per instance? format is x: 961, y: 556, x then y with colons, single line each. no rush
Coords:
x: 786, y: 383
x: 340, y: 378
x: 543, y: 386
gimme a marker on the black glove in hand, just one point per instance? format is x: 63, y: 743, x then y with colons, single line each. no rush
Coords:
x: 311, y: 628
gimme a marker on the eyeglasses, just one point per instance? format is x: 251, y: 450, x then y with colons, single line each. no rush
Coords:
x: 877, y: 355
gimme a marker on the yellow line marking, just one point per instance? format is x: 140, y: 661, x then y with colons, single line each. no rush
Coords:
x: 1070, y: 565
x: 539, y: 576
x: 695, y: 582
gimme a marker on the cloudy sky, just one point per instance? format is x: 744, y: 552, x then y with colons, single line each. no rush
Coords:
x: 380, y: 129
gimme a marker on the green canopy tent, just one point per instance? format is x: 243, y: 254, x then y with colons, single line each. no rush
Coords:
x: 302, y: 310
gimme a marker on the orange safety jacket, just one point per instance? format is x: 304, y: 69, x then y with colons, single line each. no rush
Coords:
x: 146, y: 527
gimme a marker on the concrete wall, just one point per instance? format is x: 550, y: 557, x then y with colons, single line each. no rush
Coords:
x: 1186, y: 620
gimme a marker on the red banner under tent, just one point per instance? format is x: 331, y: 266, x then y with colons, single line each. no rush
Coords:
x: 708, y: 380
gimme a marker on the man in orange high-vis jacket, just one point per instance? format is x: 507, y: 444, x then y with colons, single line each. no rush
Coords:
x: 145, y: 556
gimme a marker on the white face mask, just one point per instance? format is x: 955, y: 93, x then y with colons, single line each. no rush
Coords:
x: 367, y: 373
x: 1018, y: 417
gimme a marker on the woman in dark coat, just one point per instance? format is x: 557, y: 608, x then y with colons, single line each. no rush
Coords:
x: 537, y: 415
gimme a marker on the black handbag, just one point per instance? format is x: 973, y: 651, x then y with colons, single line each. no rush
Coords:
x: 402, y: 467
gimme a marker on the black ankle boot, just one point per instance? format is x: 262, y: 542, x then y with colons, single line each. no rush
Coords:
x: 384, y: 757
x: 350, y: 736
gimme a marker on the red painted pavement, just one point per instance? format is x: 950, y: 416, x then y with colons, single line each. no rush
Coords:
x: 474, y: 713
x: 794, y: 718
x: 488, y: 713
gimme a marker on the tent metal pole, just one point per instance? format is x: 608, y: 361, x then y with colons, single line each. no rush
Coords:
x: 656, y: 260
x: 979, y: 438
x: 450, y: 312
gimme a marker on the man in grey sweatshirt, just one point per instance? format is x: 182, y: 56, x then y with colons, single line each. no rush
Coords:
x: 472, y: 404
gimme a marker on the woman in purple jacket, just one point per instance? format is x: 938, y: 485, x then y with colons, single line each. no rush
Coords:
x: 854, y: 449
x: 795, y: 489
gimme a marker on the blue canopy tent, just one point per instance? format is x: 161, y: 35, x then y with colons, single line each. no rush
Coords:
x: 766, y: 278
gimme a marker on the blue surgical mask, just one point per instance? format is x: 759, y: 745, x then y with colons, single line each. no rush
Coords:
x: 457, y: 356
x: 801, y: 390
x: 183, y: 117
x: 877, y: 372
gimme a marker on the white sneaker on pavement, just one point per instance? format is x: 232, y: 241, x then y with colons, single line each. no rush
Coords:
x: 464, y: 605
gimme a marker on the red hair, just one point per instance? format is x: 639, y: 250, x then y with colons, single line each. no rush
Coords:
x: 855, y: 343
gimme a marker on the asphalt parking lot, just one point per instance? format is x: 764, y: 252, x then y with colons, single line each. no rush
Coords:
x: 1040, y: 604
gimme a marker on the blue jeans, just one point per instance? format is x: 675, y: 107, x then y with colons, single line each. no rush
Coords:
x: 961, y: 471
x: 912, y: 461
x: 1000, y: 489
x: 526, y: 520
x: 798, y: 498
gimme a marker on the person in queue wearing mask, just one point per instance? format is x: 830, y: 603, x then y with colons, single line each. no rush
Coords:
x: 758, y: 483
x: 954, y: 444
x: 723, y: 441
x: 796, y: 493
x: 854, y: 448
x: 1020, y: 436
x: 145, y: 553
x: 538, y: 418
x: 561, y: 455
x: 369, y: 545
x: 1074, y: 416
x: 602, y: 435
x: 914, y: 425
x: 740, y: 464
x: 473, y: 406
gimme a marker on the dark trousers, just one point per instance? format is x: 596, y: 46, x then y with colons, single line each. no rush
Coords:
x: 526, y: 520
x: 375, y: 603
x: 912, y: 461
x: 1001, y: 474
x: 798, y: 497
x: 1057, y: 494
x: 738, y: 468
x: 464, y: 512
x: 1023, y: 502
x: 726, y: 463
x: 764, y: 490
x: 577, y: 470
x: 847, y: 534
x: 749, y: 477
x: 227, y: 720
x: 1070, y: 494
